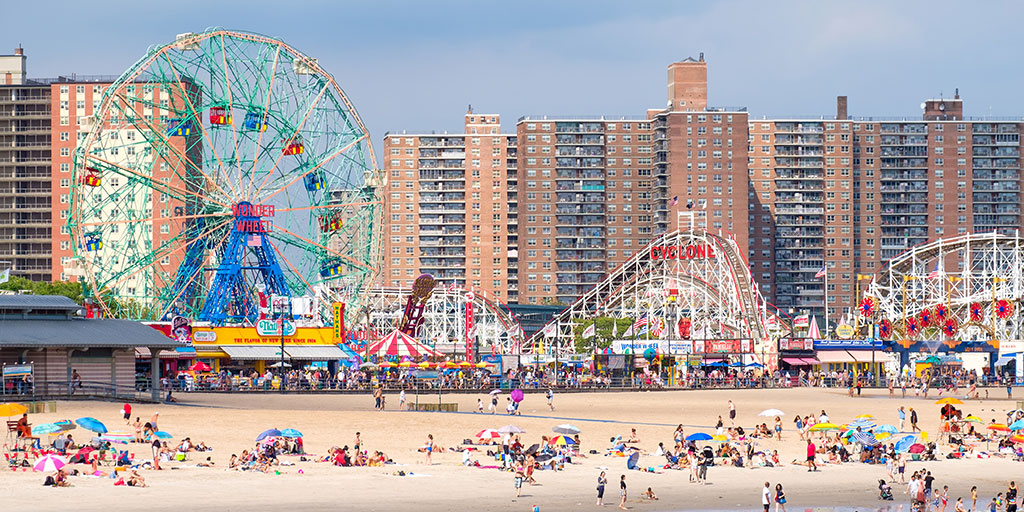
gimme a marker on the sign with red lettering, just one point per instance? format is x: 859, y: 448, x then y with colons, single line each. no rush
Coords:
x: 682, y: 252
x: 796, y: 344
x: 742, y: 346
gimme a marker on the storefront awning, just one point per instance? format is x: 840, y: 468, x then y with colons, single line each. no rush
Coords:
x: 316, y: 353
x: 176, y: 353
x: 798, y: 361
x: 251, y: 353
x: 851, y: 356
x: 1005, y: 358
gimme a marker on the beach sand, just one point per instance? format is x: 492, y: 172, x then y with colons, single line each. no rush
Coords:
x: 230, y: 423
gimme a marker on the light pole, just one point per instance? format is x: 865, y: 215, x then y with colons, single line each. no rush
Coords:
x: 994, y: 281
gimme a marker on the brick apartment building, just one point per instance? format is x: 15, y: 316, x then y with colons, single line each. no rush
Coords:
x: 838, y: 192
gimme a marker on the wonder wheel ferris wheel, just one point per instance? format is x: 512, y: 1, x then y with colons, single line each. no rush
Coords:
x: 220, y: 170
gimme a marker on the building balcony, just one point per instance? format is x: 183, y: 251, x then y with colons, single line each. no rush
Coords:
x: 798, y: 210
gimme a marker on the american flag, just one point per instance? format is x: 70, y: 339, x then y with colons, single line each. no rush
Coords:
x: 254, y: 241
x: 934, y: 274
x: 821, y: 273
x: 640, y: 326
x: 675, y: 200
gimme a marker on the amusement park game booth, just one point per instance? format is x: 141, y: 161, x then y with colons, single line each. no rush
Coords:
x: 859, y: 356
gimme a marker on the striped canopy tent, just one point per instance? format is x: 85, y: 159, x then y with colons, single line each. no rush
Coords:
x: 399, y: 343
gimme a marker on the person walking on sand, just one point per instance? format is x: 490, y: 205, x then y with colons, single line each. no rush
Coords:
x: 811, y: 450
x: 551, y: 399
x: 377, y: 394
x: 1011, y: 497
x: 766, y: 496
x: 429, y: 449
x: 494, y: 403
x: 902, y: 416
x: 913, y: 421
x: 622, y: 492
x: 602, y: 481
x: 780, y: 498
x: 401, y: 400
x: 518, y: 480
x: 732, y: 412
x: 480, y: 405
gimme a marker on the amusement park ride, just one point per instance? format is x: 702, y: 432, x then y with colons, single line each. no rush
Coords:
x: 221, y: 169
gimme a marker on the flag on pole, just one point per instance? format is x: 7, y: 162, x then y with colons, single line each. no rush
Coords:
x: 550, y: 330
x: 675, y: 200
x: 5, y: 275
x: 590, y: 331
x: 640, y: 322
x: 821, y: 273
x: 628, y: 333
x: 934, y: 274
x: 254, y: 241
x: 615, y: 328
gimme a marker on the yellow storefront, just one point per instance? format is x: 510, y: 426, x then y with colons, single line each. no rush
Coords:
x: 245, y: 345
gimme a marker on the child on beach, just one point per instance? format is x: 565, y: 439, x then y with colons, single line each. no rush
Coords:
x: 649, y: 494
x: 479, y: 405
x: 622, y: 492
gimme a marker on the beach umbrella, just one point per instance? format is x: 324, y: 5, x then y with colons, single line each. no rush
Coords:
x: 699, y: 436
x: 917, y: 448
x: 405, y: 364
x: 864, y: 417
x: 1014, y: 412
x: 1017, y: 439
x: 488, y: 434
x: 545, y: 457
x: 268, y: 433
x: 483, y: 364
x: 118, y: 437
x: 905, y: 443
x: 424, y: 364
x: 50, y: 463
x: 567, y: 429
x: 561, y: 441
x: 883, y: 435
x: 387, y: 364
x: 12, y: 409
x: 886, y: 429
x: 511, y: 429
x: 849, y: 432
x: 631, y: 461
x: 160, y: 434
x: 495, y: 392
x: 1017, y: 425
x: 532, y: 449
x: 771, y: 412
x: 948, y: 400
x: 517, y: 395
x: 92, y: 424
x: 754, y: 365
x: 291, y: 432
x: 821, y: 427
x: 46, y: 428
x: 998, y: 427
x: 367, y: 365
x: 465, y: 364
x: 719, y: 438
x: 973, y: 419
x: 865, y: 438
x: 199, y: 366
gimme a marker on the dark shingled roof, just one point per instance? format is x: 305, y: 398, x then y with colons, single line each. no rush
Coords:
x: 80, y: 332
x: 38, y: 302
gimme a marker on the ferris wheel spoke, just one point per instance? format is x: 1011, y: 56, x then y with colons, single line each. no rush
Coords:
x: 298, y: 129
x: 312, y: 170
x: 333, y: 206
x: 162, y: 251
x: 294, y: 270
x: 328, y: 249
x: 231, y: 103
x: 132, y: 221
x: 199, y: 270
x: 266, y: 107
x: 181, y: 193
x: 197, y: 117
x: 166, y: 143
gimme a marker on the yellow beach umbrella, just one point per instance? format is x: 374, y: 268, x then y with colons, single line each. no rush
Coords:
x: 718, y: 438
x: 821, y: 427
x: 424, y: 364
x: 864, y: 417
x: 12, y: 409
x: 405, y: 364
x: 973, y: 419
x: 948, y: 400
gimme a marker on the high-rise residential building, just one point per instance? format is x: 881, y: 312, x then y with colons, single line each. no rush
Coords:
x: 451, y: 208
x: 24, y: 170
x: 586, y: 195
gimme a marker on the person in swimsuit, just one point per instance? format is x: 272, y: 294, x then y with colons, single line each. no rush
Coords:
x: 601, y: 482
x: 429, y: 448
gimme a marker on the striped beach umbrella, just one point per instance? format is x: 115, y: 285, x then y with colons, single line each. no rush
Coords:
x: 49, y: 463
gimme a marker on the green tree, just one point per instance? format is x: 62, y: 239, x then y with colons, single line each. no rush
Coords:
x: 72, y: 291
x: 604, y: 334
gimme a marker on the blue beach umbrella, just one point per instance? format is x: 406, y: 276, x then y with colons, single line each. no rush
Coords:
x: 905, y: 443
x: 92, y: 424
x: 290, y: 432
x: 162, y: 435
x: 865, y: 439
x: 1017, y: 425
x: 46, y: 428
x: 268, y: 433
x: 887, y: 429
x: 699, y: 436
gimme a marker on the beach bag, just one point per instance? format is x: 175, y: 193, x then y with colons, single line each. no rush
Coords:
x: 50, y: 482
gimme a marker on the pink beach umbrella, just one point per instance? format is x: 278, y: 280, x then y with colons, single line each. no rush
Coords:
x: 50, y: 463
x: 517, y: 395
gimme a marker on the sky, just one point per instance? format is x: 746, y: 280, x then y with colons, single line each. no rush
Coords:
x: 416, y: 65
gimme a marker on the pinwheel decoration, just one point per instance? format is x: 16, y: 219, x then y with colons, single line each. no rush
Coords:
x: 924, y: 318
x: 950, y: 327
x: 977, y: 313
x: 867, y: 306
x: 1004, y: 309
x: 941, y: 312
x: 885, y: 328
x: 911, y: 326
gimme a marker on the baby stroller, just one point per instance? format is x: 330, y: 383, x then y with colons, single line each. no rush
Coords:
x: 884, y: 491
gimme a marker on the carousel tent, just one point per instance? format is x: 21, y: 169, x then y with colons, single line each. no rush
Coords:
x: 399, y: 343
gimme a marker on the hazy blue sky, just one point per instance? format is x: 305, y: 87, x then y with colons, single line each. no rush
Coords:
x: 416, y: 65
